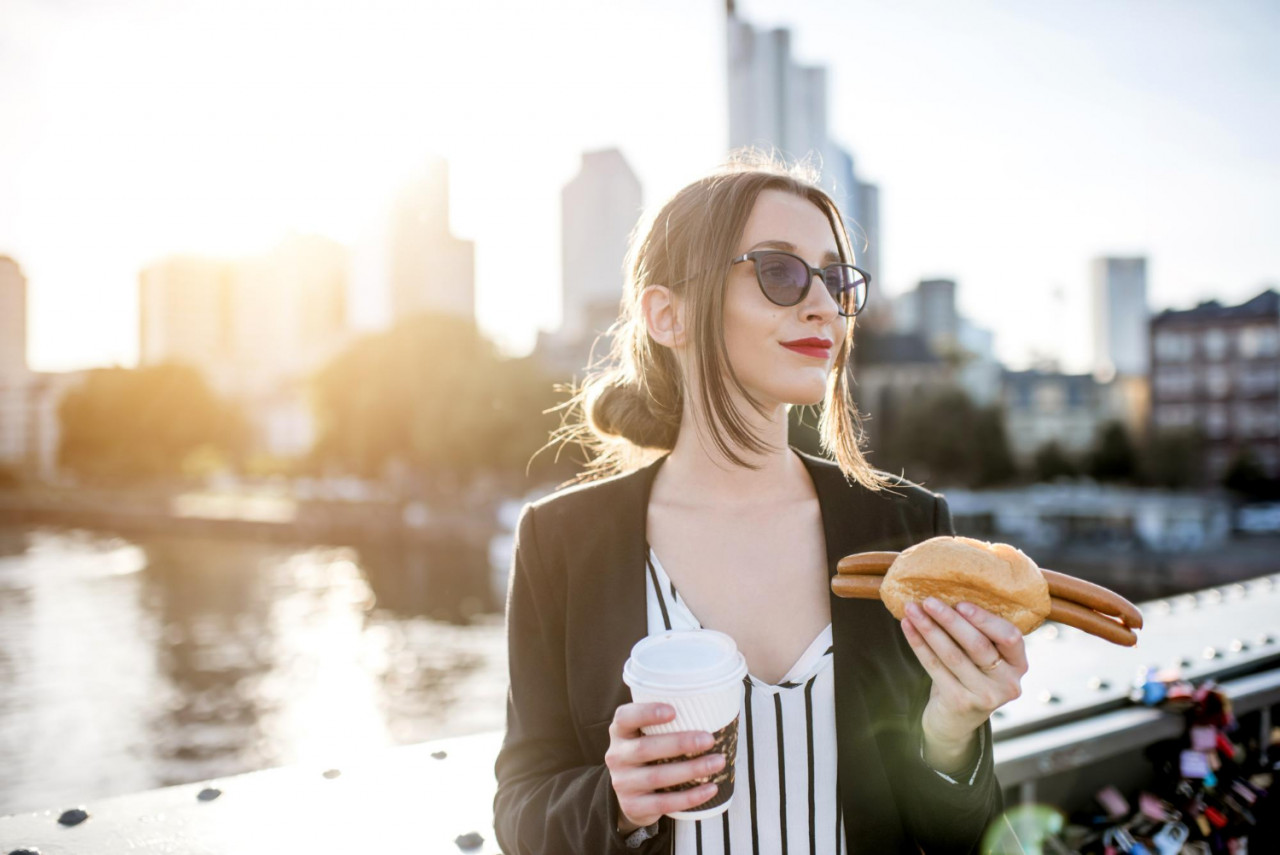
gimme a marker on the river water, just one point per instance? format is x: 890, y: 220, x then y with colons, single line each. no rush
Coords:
x: 132, y: 664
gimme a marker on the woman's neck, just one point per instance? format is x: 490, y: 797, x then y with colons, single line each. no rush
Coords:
x: 696, y: 474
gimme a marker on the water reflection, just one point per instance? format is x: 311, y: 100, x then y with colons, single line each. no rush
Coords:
x: 130, y: 665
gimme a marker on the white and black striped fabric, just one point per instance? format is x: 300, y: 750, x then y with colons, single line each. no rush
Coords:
x: 784, y: 797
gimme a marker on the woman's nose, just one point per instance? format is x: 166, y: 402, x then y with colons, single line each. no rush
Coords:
x: 819, y: 299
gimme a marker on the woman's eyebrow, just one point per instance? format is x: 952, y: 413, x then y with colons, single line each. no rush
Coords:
x: 828, y: 258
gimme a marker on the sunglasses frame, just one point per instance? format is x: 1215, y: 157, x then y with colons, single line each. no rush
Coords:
x: 755, y: 256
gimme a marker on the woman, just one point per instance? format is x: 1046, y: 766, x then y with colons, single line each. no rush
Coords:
x: 858, y: 734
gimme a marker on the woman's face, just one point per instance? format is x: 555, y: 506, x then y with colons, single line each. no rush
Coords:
x: 756, y: 328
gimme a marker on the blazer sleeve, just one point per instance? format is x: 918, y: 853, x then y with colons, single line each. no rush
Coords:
x: 550, y: 800
x: 941, y: 816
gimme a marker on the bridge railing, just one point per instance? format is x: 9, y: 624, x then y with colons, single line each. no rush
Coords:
x: 1073, y: 730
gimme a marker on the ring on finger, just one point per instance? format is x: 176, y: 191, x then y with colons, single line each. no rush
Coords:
x: 987, y: 669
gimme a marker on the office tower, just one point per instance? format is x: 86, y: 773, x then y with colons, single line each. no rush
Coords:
x: 250, y: 322
x: 430, y: 269
x: 186, y: 315
x: 14, y: 377
x: 1120, y: 317
x: 599, y: 209
x: 938, y: 320
x: 257, y: 328
x: 775, y: 104
x: 288, y: 311
x: 865, y: 234
x: 13, y: 320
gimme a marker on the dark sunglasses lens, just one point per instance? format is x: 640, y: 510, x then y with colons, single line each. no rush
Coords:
x: 848, y: 287
x: 782, y: 277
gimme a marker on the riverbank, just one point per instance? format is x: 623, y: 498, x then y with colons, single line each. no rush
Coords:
x: 260, y: 514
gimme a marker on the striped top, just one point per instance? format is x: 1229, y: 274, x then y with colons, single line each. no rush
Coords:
x: 785, y: 798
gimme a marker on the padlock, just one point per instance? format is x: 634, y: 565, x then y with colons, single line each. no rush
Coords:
x: 1169, y: 839
x: 1243, y: 790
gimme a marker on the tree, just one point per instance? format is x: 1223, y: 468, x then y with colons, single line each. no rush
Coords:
x: 432, y: 394
x: 1113, y: 457
x: 991, y: 445
x: 1173, y: 458
x: 941, y: 438
x: 1051, y: 463
x: 1246, y: 477
x: 128, y: 425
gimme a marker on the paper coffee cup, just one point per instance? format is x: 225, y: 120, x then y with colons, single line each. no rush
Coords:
x: 699, y: 674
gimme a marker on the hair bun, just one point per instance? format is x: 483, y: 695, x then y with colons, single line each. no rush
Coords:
x: 621, y: 409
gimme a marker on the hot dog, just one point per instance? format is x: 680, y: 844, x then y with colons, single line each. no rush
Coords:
x: 864, y: 563
x: 996, y: 577
x: 1108, y: 629
x: 1092, y: 596
x: 857, y: 587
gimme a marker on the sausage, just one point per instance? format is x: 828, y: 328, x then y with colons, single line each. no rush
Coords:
x: 1106, y: 628
x: 1092, y: 596
x: 866, y: 563
x: 857, y: 587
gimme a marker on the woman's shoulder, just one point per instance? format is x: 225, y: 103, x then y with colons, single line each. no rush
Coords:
x: 586, y: 500
x: 896, y: 490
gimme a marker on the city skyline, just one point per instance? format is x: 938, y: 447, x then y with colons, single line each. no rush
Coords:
x: 1010, y: 147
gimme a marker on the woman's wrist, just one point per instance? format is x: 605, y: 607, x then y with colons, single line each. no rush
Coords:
x: 950, y: 757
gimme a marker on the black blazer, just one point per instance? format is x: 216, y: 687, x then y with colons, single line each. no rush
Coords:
x: 576, y: 605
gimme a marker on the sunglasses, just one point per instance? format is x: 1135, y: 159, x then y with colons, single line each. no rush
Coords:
x: 785, y: 279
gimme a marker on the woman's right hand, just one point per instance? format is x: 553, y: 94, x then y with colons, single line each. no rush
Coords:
x: 634, y: 782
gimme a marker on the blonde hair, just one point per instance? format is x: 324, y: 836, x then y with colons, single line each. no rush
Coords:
x: 628, y: 409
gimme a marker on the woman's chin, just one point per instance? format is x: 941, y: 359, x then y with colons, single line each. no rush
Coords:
x: 804, y: 397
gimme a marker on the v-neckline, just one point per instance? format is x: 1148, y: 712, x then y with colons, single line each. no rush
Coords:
x: 790, y: 679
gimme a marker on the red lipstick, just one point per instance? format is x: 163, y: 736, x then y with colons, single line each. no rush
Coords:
x: 819, y: 348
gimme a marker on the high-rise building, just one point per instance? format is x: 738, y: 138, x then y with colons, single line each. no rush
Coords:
x: 598, y: 211
x: 256, y: 328
x: 938, y: 319
x: 930, y: 310
x: 13, y: 320
x: 186, y: 315
x: 865, y: 231
x: 1216, y: 369
x: 288, y: 312
x: 1120, y: 317
x: 430, y: 269
x: 775, y: 104
x: 14, y: 377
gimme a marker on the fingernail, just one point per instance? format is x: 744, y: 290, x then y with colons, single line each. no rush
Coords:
x: 965, y: 609
x: 706, y: 741
x: 933, y: 604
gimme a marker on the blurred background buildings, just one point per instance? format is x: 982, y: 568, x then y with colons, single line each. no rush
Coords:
x: 265, y: 412
x: 259, y: 328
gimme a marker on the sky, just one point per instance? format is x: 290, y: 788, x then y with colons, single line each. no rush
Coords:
x: 1012, y: 142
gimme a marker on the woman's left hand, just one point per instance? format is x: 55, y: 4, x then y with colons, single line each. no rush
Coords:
x: 976, y: 660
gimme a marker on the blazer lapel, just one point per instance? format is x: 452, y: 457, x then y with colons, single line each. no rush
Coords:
x: 859, y: 628
x: 606, y: 616
x: 605, y: 611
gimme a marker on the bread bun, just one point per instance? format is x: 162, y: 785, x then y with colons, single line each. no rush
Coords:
x: 998, y: 577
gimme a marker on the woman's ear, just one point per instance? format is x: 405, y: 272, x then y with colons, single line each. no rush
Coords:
x: 664, y: 316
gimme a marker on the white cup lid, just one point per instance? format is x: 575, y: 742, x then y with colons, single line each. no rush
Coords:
x: 684, y: 661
